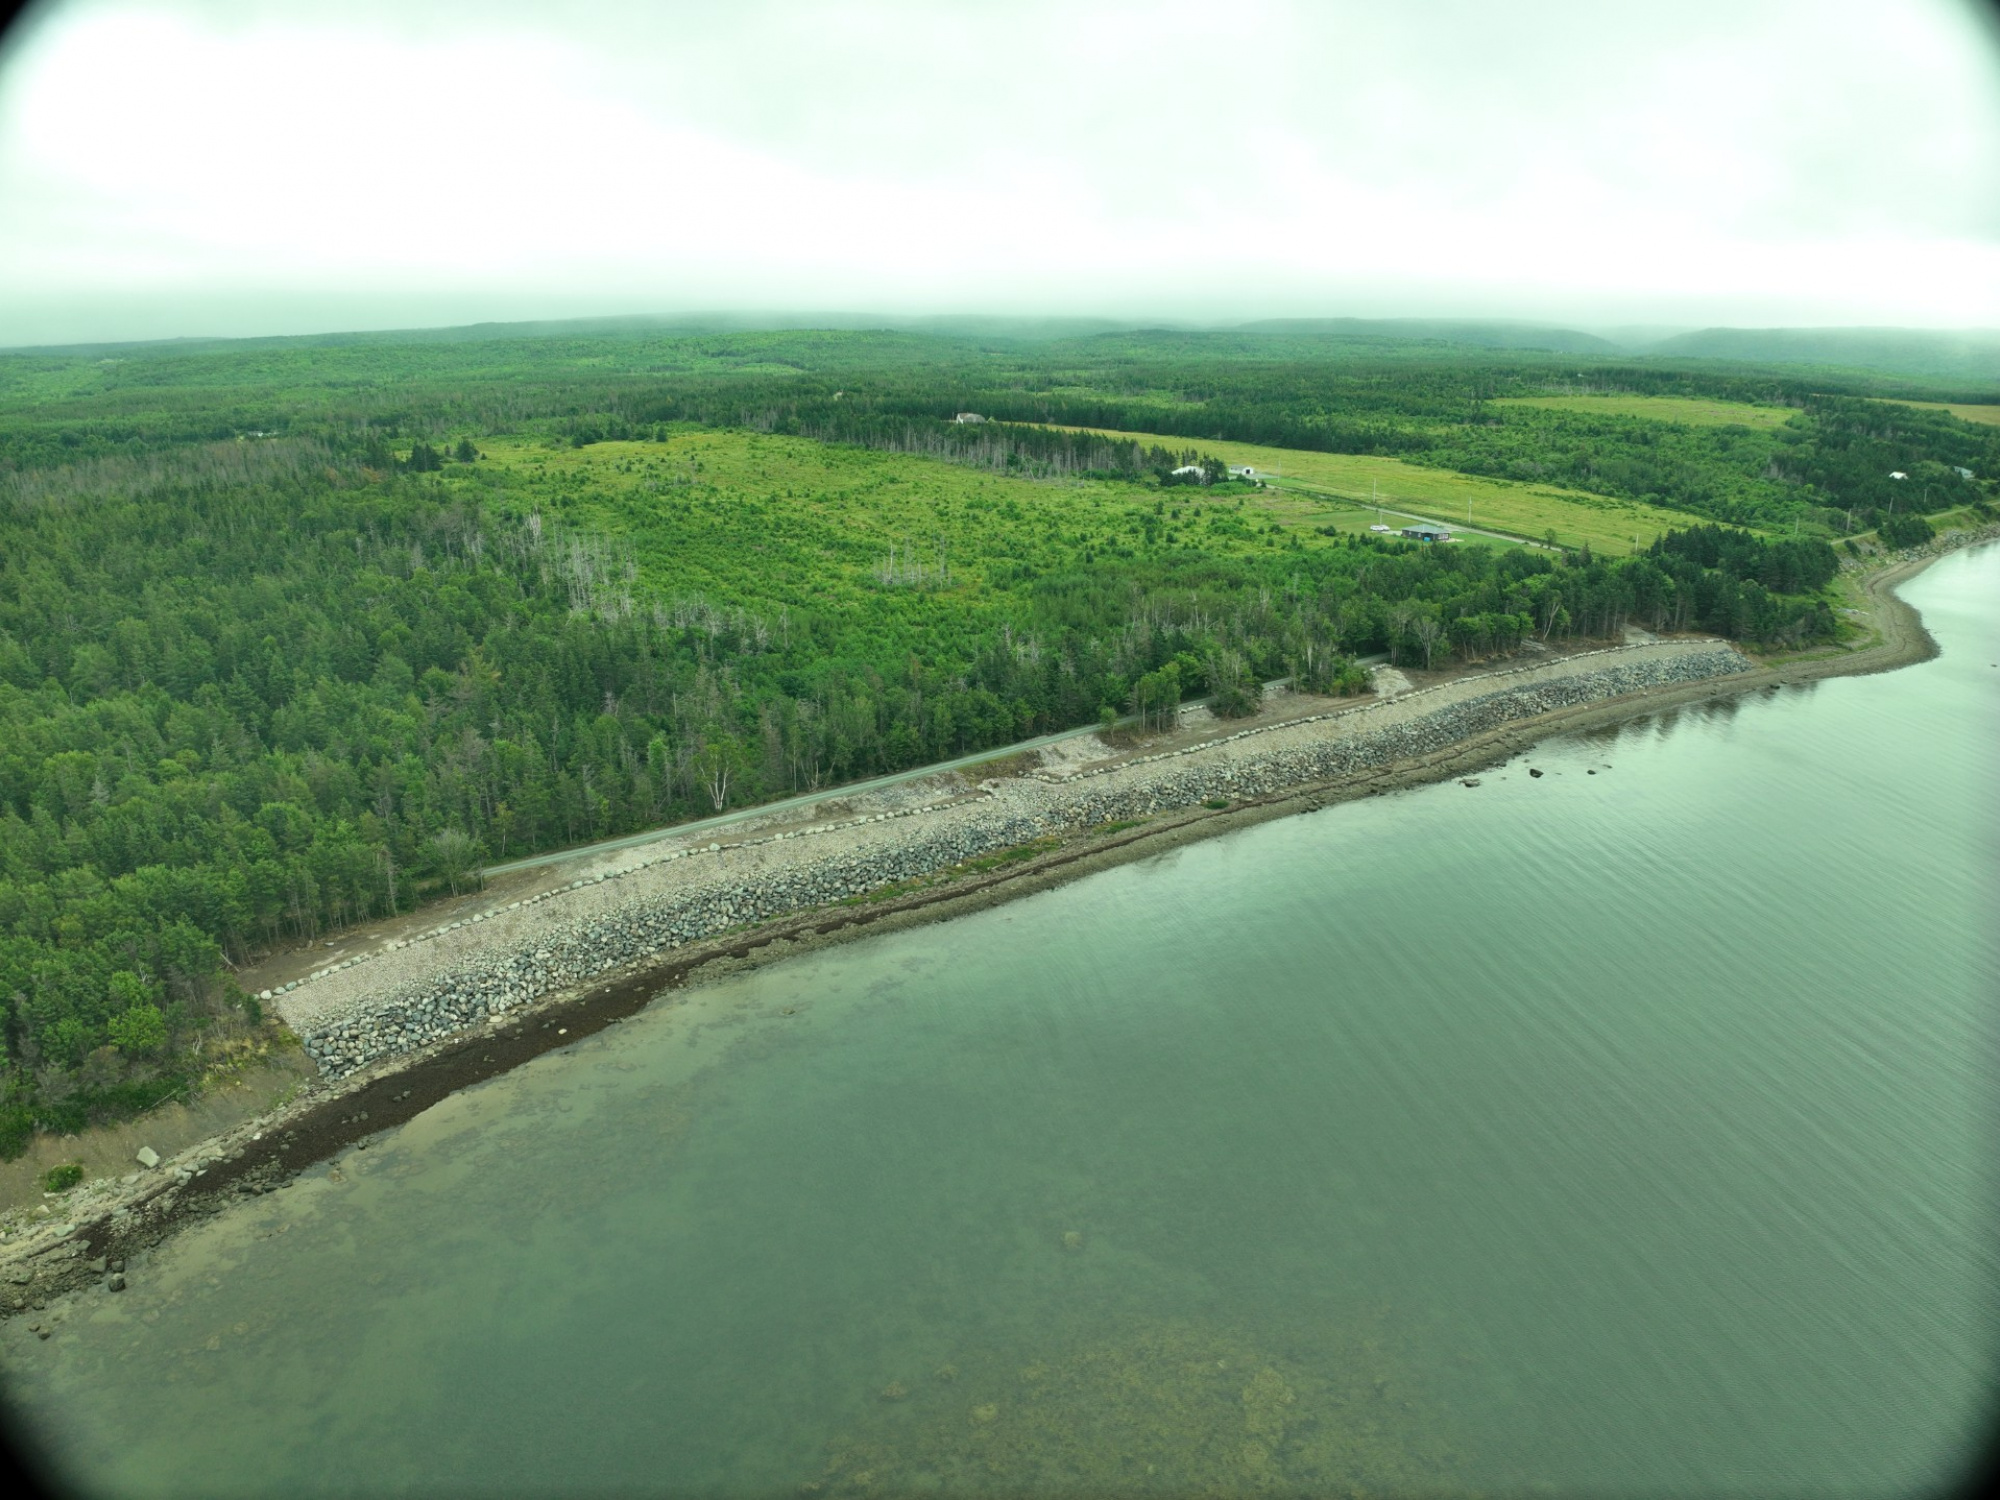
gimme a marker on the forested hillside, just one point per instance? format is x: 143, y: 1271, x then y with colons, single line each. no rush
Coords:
x: 1972, y: 356
x: 254, y: 687
x: 1325, y: 388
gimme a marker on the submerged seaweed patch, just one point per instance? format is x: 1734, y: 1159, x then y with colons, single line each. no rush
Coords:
x: 1153, y: 1406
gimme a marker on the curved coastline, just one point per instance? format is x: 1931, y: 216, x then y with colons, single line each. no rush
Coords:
x: 118, y: 1220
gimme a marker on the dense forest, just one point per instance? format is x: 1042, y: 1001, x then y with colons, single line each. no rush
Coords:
x: 1824, y: 472
x: 261, y: 681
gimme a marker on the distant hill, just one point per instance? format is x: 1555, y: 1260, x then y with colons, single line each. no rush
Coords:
x: 1479, y: 332
x: 944, y: 325
x: 1956, y: 365
x: 960, y: 326
x: 1935, y: 354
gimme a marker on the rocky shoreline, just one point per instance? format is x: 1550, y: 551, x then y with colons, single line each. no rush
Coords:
x: 926, y: 841
x: 1951, y: 539
x: 386, y: 1054
x: 475, y: 998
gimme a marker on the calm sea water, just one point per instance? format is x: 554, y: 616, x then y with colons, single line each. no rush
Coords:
x: 1624, y: 1133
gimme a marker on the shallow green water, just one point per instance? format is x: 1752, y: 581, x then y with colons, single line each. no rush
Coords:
x: 1621, y: 1133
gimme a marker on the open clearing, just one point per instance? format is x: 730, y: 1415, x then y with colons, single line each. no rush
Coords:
x: 1691, y: 411
x: 1990, y: 415
x: 1334, y: 489
x: 769, y: 521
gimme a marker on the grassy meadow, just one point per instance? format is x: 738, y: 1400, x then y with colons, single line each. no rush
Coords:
x: 300, y: 633
x: 1692, y: 411
x: 1321, y: 489
x: 766, y: 522
x: 1964, y: 411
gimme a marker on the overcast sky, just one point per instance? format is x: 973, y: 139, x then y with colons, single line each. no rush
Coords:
x: 186, y: 167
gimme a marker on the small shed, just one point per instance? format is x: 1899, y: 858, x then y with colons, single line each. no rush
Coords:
x: 1427, y: 533
x: 968, y: 416
x: 1242, y: 471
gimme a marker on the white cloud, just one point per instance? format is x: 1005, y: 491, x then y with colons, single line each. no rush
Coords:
x: 162, y: 164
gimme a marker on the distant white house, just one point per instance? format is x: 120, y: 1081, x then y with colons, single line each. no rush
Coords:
x: 1242, y: 471
x: 1961, y: 473
x: 968, y: 416
x: 1186, y: 471
x: 1897, y: 474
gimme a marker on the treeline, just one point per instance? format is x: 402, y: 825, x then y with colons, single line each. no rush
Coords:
x: 254, y: 692
x: 1905, y: 530
x: 1850, y: 450
x: 1741, y: 585
x: 1002, y: 448
x: 1028, y: 452
x: 992, y: 444
x: 1784, y: 566
x: 1032, y: 452
x: 1825, y: 472
x: 262, y: 674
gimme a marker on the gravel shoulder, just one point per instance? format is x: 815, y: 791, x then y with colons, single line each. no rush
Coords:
x: 433, y: 1007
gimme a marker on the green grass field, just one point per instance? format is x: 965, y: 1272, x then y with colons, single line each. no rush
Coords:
x: 1990, y: 415
x: 1689, y: 410
x: 742, y: 518
x: 1334, y: 489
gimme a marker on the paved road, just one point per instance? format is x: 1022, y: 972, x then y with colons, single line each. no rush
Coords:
x: 807, y: 799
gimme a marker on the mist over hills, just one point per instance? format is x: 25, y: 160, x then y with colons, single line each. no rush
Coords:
x: 1477, y: 333
x: 1972, y: 354
x: 1968, y: 360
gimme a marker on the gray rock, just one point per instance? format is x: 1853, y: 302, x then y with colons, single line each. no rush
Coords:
x: 484, y: 985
